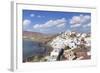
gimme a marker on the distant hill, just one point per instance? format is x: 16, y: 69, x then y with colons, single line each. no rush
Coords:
x: 37, y: 36
x: 30, y: 34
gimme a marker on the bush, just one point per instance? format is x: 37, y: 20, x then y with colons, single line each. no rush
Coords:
x: 67, y: 48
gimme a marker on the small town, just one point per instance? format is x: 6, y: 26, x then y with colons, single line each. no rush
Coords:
x: 70, y: 46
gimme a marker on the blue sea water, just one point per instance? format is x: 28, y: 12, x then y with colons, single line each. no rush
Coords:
x: 31, y: 48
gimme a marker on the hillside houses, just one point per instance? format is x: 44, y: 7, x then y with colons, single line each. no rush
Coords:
x: 71, y: 39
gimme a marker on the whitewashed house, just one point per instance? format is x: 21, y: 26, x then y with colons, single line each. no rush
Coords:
x: 88, y: 41
x: 54, y: 54
x: 83, y: 35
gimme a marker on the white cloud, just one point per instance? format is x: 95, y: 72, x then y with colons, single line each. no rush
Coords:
x: 80, y: 20
x: 75, y: 20
x: 86, y: 19
x: 51, y: 23
x: 26, y: 22
x: 39, y: 16
x: 32, y: 15
x: 87, y: 25
x: 61, y: 25
x: 76, y: 25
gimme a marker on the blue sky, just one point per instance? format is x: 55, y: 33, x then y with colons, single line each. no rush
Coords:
x: 55, y: 22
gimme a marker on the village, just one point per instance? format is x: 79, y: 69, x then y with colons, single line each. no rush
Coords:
x: 70, y: 46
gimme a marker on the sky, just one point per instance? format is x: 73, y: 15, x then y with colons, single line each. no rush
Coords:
x: 51, y: 22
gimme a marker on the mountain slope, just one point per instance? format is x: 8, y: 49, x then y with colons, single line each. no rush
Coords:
x: 36, y: 36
